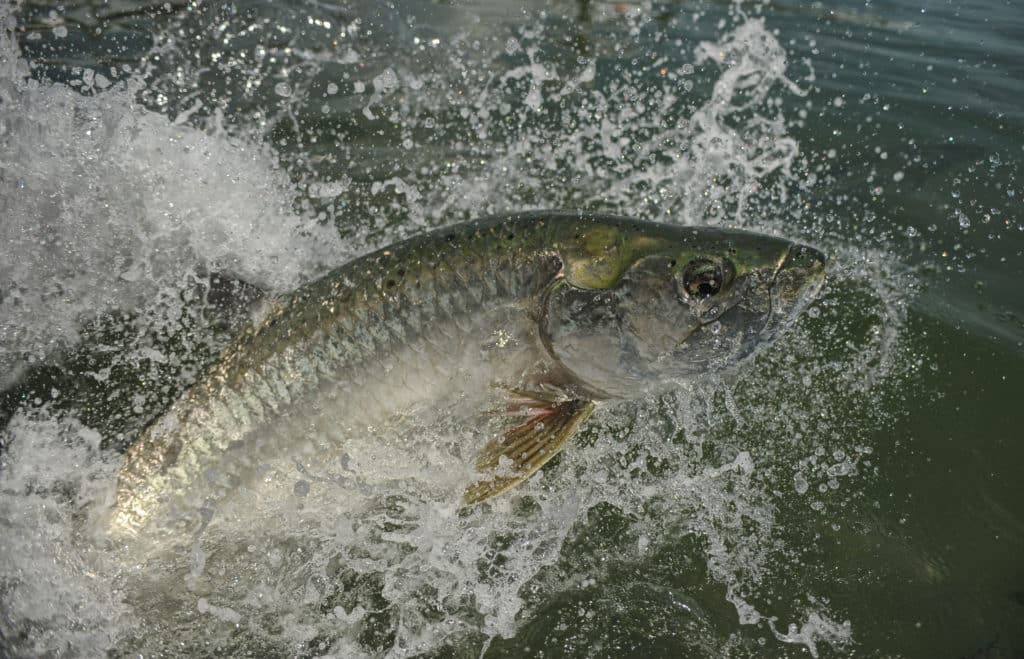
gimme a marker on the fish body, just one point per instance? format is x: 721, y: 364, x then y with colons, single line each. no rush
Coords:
x: 550, y: 312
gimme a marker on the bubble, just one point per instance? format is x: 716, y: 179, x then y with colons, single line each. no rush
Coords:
x: 800, y: 484
x: 385, y: 83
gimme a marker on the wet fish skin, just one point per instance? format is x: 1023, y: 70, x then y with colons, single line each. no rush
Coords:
x: 482, y: 303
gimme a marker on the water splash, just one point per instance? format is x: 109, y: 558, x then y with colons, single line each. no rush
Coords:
x: 141, y: 203
x: 107, y: 205
x: 55, y: 588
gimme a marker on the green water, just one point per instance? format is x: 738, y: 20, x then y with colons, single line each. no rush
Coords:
x: 858, y: 481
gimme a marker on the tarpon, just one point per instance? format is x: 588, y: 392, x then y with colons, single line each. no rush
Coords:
x: 554, y: 313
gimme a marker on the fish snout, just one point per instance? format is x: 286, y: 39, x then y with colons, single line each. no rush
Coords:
x: 801, y: 273
x: 804, y: 259
x: 799, y: 278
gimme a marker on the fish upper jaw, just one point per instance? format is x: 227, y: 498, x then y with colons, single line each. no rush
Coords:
x: 797, y: 281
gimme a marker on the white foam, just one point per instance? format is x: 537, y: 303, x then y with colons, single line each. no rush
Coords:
x: 105, y: 204
x: 54, y: 473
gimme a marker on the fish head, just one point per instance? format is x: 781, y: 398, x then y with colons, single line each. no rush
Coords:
x: 644, y: 305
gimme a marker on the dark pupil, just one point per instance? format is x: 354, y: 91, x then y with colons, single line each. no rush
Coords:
x: 704, y: 282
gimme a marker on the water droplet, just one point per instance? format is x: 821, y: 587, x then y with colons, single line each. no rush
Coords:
x: 800, y: 484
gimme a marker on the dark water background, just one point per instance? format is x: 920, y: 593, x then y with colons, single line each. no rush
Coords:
x: 886, y: 504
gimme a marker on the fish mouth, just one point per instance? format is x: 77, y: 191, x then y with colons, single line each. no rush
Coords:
x: 803, y: 258
x: 798, y: 279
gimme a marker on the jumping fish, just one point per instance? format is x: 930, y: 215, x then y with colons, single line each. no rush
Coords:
x: 558, y: 312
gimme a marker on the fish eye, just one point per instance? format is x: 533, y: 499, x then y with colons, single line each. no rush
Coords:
x: 702, y: 278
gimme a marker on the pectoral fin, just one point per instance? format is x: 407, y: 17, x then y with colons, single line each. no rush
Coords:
x: 522, y: 450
